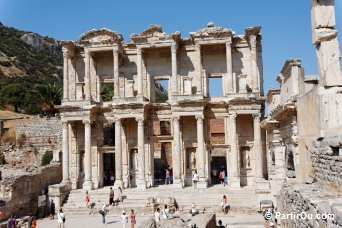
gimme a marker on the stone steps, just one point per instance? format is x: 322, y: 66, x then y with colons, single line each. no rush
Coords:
x: 207, y: 200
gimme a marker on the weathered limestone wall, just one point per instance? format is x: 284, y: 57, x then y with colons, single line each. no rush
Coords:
x: 327, y: 160
x: 309, y: 200
x: 21, y: 192
x: 44, y: 134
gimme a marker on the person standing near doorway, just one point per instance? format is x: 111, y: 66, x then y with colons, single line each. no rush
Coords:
x: 52, y: 210
x: 111, y: 196
x: 195, y: 179
x: 87, y: 199
x: 61, y: 218
x: 167, y: 176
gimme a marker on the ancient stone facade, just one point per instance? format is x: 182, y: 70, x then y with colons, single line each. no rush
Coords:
x: 134, y: 133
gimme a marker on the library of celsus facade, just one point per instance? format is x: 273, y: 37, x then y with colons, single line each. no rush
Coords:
x: 136, y: 108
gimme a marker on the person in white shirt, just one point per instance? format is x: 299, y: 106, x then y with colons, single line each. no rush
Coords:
x: 60, y: 218
x: 195, y: 179
x: 165, y: 212
x: 157, y: 215
x: 103, y: 213
x: 124, y: 219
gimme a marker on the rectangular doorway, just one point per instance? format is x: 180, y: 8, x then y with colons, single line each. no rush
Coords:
x: 108, y: 169
x: 162, y: 161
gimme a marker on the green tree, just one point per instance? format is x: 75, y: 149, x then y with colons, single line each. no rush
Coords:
x: 15, y: 95
x: 107, y: 92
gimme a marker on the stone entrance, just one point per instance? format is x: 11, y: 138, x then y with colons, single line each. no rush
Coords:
x: 162, y: 161
x: 108, y: 169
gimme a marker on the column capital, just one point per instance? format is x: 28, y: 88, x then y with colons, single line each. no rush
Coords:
x: 65, y: 124
x: 86, y: 122
x: 117, y: 122
x: 199, y: 119
x: 66, y: 54
x: 140, y: 121
x: 175, y: 119
x: 197, y: 47
x: 233, y: 115
x: 115, y: 51
x: 139, y: 50
x: 253, y: 41
x: 256, y: 116
x: 174, y: 48
x: 229, y: 42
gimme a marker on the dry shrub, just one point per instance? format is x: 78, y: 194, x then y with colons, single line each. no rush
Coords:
x: 21, y: 139
x: 8, y: 138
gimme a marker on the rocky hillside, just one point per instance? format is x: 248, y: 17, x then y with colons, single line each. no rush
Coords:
x: 27, y: 57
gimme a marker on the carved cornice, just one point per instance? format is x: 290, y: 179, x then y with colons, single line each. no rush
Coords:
x: 283, y: 111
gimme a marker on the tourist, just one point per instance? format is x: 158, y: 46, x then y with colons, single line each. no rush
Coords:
x: 87, y: 199
x: 167, y: 177
x: 111, y: 196
x: 129, y: 179
x: 193, y: 210
x: 12, y: 222
x: 33, y: 223
x: 103, y: 212
x: 111, y: 177
x: 157, y: 215
x: 220, y: 224
x: 61, y: 218
x: 1, y: 216
x: 221, y: 177
x: 133, y: 221
x: 124, y: 219
x: 150, y: 180
x: 120, y: 194
x: 177, y: 212
x: 195, y: 179
x: 91, y: 207
x: 52, y: 210
x: 224, y: 204
x: 165, y: 212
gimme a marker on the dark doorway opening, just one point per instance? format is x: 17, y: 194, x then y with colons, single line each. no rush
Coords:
x: 162, y: 162
x: 217, y: 165
x: 108, y: 169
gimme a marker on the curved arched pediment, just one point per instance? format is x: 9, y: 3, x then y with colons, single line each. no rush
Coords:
x: 100, y: 36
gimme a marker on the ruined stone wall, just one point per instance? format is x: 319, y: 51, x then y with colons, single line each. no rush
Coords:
x: 21, y: 192
x: 309, y: 201
x: 326, y: 158
x: 44, y: 134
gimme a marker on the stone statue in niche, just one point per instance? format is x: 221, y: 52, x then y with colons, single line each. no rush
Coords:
x: 246, y: 160
x: 134, y: 158
x: 193, y: 160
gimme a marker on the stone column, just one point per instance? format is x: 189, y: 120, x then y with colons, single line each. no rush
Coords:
x: 176, y: 156
x: 254, y: 66
x: 118, y: 155
x: 139, y: 72
x: 141, y: 182
x: 174, y: 69
x: 229, y: 61
x: 257, y: 146
x: 65, y: 75
x: 65, y: 148
x: 98, y: 88
x: 88, y: 184
x: 87, y: 76
x: 199, y: 69
x: 200, y: 150
x: 235, y: 175
x: 279, y: 156
x: 116, y: 73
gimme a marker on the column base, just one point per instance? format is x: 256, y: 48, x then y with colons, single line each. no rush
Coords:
x: 88, y: 185
x: 66, y: 183
x: 118, y: 183
x: 235, y: 183
x: 262, y: 185
x: 177, y: 183
x: 141, y: 184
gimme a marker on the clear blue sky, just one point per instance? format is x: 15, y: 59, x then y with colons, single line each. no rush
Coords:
x: 286, y: 24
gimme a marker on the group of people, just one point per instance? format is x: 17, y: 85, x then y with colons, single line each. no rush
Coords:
x: 123, y: 218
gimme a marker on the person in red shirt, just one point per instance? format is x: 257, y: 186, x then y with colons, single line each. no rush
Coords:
x: 132, y: 217
x: 111, y: 196
x: 87, y: 199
